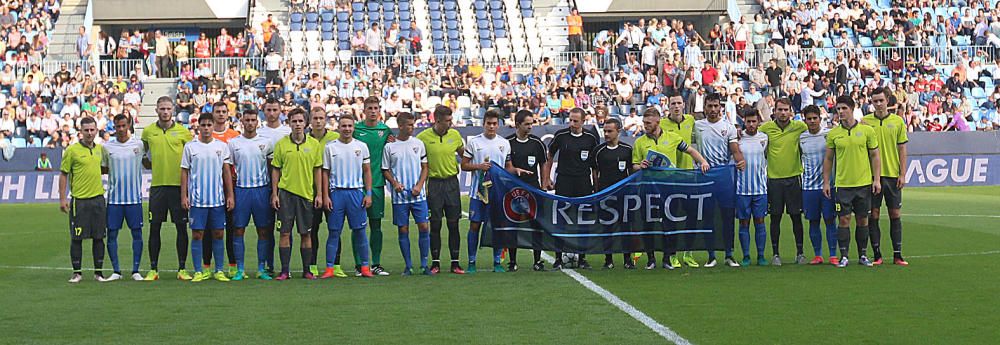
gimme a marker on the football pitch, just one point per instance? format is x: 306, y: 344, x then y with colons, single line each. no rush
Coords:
x: 948, y: 294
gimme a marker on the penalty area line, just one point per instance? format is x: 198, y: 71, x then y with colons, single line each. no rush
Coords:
x: 632, y: 311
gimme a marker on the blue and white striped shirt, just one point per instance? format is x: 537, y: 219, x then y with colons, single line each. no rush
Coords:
x: 479, y: 148
x: 250, y: 157
x: 403, y: 159
x: 753, y: 179
x: 345, y: 163
x: 274, y: 134
x: 813, y: 148
x: 204, y: 163
x: 713, y: 140
x: 124, y: 163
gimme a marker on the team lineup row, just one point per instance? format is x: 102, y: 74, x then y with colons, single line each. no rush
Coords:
x: 290, y: 176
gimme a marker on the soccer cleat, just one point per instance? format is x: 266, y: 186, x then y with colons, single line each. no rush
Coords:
x: 408, y: 271
x: 327, y: 274
x: 231, y: 272
x: 732, y: 262
x: 865, y: 261
x: 761, y: 261
x: 379, y: 270
x: 877, y: 262
x: 689, y: 260
x: 183, y: 275
x: 151, y: 276
x: 583, y: 264
x: 339, y: 272
x: 113, y: 277
x: 745, y: 262
x: 818, y: 260
x: 76, y: 278
x: 800, y: 259
x: 435, y: 270
x: 538, y: 266
x: 366, y: 272
x: 652, y: 264
x: 314, y: 270
x: 668, y: 266
x: 263, y: 275
x: 308, y: 275
x: 200, y: 277
x: 511, y: 267
x: 711, y: 263
x: 220, y: 276
x: 136, y: 276
x: 283, y: 276
x: 427, y: 271
x: 558, y: 265
x: 498, y: 268
x: 674, y: 262
x: 239, y: 275
x: 842, y: 262
x: 776, y: 261
x: 629, y: 266
x: 609, y: 265
x: 471, y: 268
x: 899, y: 261
x: 834, y: 260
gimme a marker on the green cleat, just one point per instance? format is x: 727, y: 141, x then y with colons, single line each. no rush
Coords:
x: 231, y: 273
x: 339, y: 272
x: 314, y: 270
x: 472, y: 268
x: 184, y: 275
x: 200, y: 277
x: 689, y: 260
x: 498, y: 268
x: 263, y: 275
x: 745, y: 262
x: 151, y: 276
x: 239, y: 275
x: 220, y: 276
x: 675, y: 262
x: 761, y: 261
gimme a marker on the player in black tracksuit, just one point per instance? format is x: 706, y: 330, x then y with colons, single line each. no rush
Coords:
x: 527, y: 152
x: 612, y: 163
x: 575, y: 148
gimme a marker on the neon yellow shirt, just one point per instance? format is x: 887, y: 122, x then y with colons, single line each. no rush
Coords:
x: 441, y: 152
x: 891, y: 131
x: 165, y: 147
x: 83, y: 165
x: 851, y: 147
x: 783, y: 153
x: 685, y: 129
x: 669, y: 144
x: 298, y: 163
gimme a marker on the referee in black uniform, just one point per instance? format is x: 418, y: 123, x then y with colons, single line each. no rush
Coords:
x: 575, y: 148
x: 527, y: 152
x: 612, y: 163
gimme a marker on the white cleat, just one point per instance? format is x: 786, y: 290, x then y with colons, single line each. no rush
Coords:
x: 137, y: 277
x: 76, y: 278
x: 732, y: 262
x: 711, y: 263
x: 113, y: 277
x: 100, y: 278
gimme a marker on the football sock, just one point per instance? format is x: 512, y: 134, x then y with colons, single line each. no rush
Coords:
x: 196, y: 252
x: 760, y: 236
x: 306, y: 254
x: 230, y: 243
x: 498, y: 254
x: 357, y: 253
x: 861, y: 237
x: 286, y: 255
x: 608, y: 259
x: 97, y: 247
x: 896, y: 233
x: 314, y: 239
x: 218, y: 251
x: 844, y: 240
x: 536, y: 255
x: 831, y: 236
x: 512, y: 252
x: 404, y: 248
x: 154, y: 245
x: 113, y: 249
x: 336, y: 258
x: 76, y: 254
x: 376, y: 240
x: 182, y: 245
x: 710, y: 244
x: 332, y: 247
x: 454, y: 239
x: 270, y: 252
x: 261, y: 253
x: 360, y: 240
x: 207, y: 247
x: 424, y: 242
x: 435, y: 234
x: 775, y: 232
x: 728, y: 230
x: 875, y: 236
x: 136, y: 249
x: 745, y: 239
x: 473, y: 240
x: 816, y: 237
x: 797, y: 232
x: 559, y: 257
x: 239, y: 249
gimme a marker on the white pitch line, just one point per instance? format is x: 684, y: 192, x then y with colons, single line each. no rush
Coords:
x: 952, y: 215
x: 991, y: 252
x: 51, y: 268
x: 632, y: 311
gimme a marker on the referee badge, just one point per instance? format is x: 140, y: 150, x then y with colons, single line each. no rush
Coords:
x: 621, y: 165
x: 584, y: 155
x: 531, y: 161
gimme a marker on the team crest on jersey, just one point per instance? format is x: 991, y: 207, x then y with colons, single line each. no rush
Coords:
x: 261, y: 147
x: 725, y: 132
x: 136, y: 150
x: 381, y: 134
x: 416, y: 150
x: 858, y: 134
x: 357, y: 153
x: 218, y: 153
x: 584, y: 154
x: 621, y: 165
x: 519, y: 205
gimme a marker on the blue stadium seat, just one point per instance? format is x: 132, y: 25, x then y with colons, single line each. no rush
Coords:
x: 386, y: 23
x: 865, y: 42
x: 372, y: 6
x: 343, y: 45
x: 484, y: 33
x: 328, y: 35
x: 482, y: 15
x: 404, y: 17
x: 496, y: 13
x: 343, y: 16
x: 326, y: 27
x: 454, y: 44
x: 499, y: 23
x: 404, y: 5
x: 435, y: 14
x: 404, y: 32
x: 343, y: 26
x: 357, y: 6
x: 19, y: 142
x: 389, y: 16
x: 295, y: 17
x: 485, y: 43
x: 434, y: 5
x: 453, y: 34
x: 479, y: 4
x: 500, y: 33
x: 527, y: 13
x: 614, y: 110
x: 312, y: 26
x: 437, y: 24
x: 450, y: 6
x: 388, y: 6
x: 526, y: 4
x: 437, y: 35
x: 374, y: 17
x: 452, y: 24
x: 450, y: 15
x: 326, y: 17
x: 496, y: 4
x: 483, y: 24
x: 343, y: 36
x: 438, y: 45
x: 312, y: 17
x: 358, y: 16
x: 295, y: 26
x: 358, y: 26
x: 978, y: 93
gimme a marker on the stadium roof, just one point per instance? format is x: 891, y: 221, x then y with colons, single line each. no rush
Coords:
x: 616, y: 8
x: 169, y: 11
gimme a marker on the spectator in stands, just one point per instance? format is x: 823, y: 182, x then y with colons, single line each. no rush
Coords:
x: 575, y: 23
x: 83, y: 46
x: 164, y: 63
x: 359, y: 44
x: 181, y: 54
x: 202, y: 47
x: 374, y: 40
x: 224, y: 44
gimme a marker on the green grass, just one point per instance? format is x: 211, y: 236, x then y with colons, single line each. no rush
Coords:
x: 949, y: 299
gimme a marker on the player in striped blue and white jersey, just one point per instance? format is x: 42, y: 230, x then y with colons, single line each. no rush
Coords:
x: 273, y: 129
x: 716, y: 140
x: 251, y: 154
x: 751, y: 187
x: 404, y: 165
x: 815, y: 205
x: 480, y: 152
x: 207, y: 192
x: 123, y: 164
x: 347, y: 167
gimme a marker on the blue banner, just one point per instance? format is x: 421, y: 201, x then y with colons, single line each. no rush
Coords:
x: 43, y: 186
x: 953, y: 170
x: 662, y: 209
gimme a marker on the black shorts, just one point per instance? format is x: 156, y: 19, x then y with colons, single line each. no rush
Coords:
x: 295, y: 211
x: 443, y: 198
x: 784, y: 195
x: 318, y: 216
x: 893, y: 195
x: 88, y: 218
x: 855, y: 200
x: 574, y: 186
x: 163, y: 199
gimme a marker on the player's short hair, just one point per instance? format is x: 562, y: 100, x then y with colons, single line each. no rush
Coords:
x: 651, y: 112
x: 119, y: 117
x: 521, y: 115
x: 750, y: 112
x: 372, y: 100
x: 317, y: 110
x: 88, y: 121
x: 162, y: 99
x: 298, y: 111
x: 880, y: 90
x: 673, y: 93
x: 404, y: 116
x: 206, y: 117
x: 250, y: 111
x: 616, y: 122
x: 346, y: 117
x: 846, y: 100
x: 441, y: 111
x: 577, y: 110
x: 492, y: 114
x: 784, y: 100
x: 220, y: 104
x: 271, y: 100
x: 810, y: 109
x: 714, y: 96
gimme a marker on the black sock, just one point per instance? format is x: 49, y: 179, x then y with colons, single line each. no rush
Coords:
x: 182, y: 246
x: 559, y: 257
x: 512, y: 252
x: 454, y: 239
x: 436, y: 240
x: 861, y: 237
x: 537, y: 255
x: 626, y: 258
x: 844, y: 240
x: 336, y: 258
x: 307, y: 254
x: 608, y: 259
x: 797, y: 231
x: 76, y: 254
x: 206, y: 245
x: 230, y: 251
x: 875, y: 236
x: 285, y: 254
x: 97, y: 247
x: 896, y: 233
x: 775, y: 232
x: 154, y: 246
x: 651, y: 257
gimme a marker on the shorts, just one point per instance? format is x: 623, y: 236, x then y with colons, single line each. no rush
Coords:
x: 208, y: 218
x: 893, y: 195
x: 784, y: 195
x: 748, y: 206
x: 479, y: 212
x: 574, y: 186
x: 295, y: 211
x: 163, y: 199
x: 401, y: 213
x: 131, y: 214
x: 347, y: 203
x: 855, y: 200
x: 443, y: 198
x: 255, y: 202
x: 377, y: 210
x: 88, y: 218
x: 816, y: 205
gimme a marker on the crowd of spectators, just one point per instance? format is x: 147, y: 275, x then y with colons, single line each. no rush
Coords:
x: 25, y: 26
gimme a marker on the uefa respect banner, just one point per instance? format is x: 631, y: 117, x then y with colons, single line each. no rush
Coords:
x: 653, y: 209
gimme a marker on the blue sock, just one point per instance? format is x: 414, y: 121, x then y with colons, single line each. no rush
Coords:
x: 473, y: 245
x: 332, y: 243
x: 816, y: 237
x: 831, y: 236
x: 497, y: 253
x: 404, y: 247
x: 136, y: 249
x: 760, y: 235
x: 239, y: 246
x: 196, y: 250
x: 270, y: 253
x: 113, y: 248
x: 745, y: 239
x: 424, y: 242
x: 218, y: 252
x: 360, y: 244
x: 261, y: 254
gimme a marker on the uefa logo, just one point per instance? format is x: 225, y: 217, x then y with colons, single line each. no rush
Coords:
x: 519, y: 205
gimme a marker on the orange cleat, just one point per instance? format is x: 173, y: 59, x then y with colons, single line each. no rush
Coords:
x: 366, y: 272
x: 818, y: 260
x: 834, y: 260
x: 900, y: 261
x: 877, y: 262
x: 328, y: 273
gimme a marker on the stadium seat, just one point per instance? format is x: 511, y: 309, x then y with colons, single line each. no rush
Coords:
x: 326, y: 27
x: 435, y: 14
x: 479, y: 4
x: 496, y: 13
x: 434, y: 5
x: 454, y: 45
x: 484, y: 33
x: 19, y: 142
x: 525, y: 4
x: 374, y: 17
x: 343, y: 45
x: 328, y: 35
x: 527, y: 13
x: 499, y: 23
x: 343, y: 16
x: 437, y: 35
x: 388, y: 6
x: 437, y: 25
x: 452, y: 24
x: 485, y: 43
x: 450, y: 15
x: 978, y: 93
x: 404, y: 6
x: 343, y: 36
x: 438, y: 45
x: 326, y: 17
x: 483, y: 24
x: 482, y: 15
x: 389, y: 16
x: 453, y: 34
x: 293, y: 26
x: 358, y: 16
x: 295, y: 17
x: 372, y: 6
x: 865, y: 42
x: 449, y: 6
x: 357, y: 6
x: 404, y: 17
x: 496, y: 4
x: 312, y: 17
x: 312, y: 26
x: 500, y: 33
x: 359, y: 26
x: 343, y: 26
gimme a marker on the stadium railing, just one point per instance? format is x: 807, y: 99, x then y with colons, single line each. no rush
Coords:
x: 220, y: 65
x: 109, y: 68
